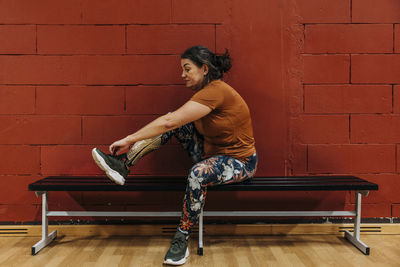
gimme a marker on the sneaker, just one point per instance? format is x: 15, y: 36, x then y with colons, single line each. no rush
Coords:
x: 178, y: 252
x: 114, y: 166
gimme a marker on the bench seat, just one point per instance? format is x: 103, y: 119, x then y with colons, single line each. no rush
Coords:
x: 174, y: 183
x: 178, y: 183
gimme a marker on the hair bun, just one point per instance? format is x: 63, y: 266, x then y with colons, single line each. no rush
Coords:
x: 223, y: 61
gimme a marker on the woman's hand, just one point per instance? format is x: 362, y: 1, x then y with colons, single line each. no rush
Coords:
x: 120, y: 145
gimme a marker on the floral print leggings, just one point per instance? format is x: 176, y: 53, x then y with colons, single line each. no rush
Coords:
x: 215, y: 170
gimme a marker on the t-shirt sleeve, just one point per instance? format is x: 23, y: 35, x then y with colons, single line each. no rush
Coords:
x: 209, y: 97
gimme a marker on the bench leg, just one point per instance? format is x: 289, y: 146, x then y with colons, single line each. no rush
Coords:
x: 200, y: 250
x: 355, y: 237
x: 46, y: 238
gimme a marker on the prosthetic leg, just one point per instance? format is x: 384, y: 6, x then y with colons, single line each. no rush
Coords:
x: 141, y: 149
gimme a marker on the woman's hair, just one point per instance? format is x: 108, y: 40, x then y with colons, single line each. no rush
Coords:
x: 217, y: 64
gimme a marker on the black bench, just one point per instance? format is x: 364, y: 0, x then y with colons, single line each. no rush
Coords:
x: 169, y: 183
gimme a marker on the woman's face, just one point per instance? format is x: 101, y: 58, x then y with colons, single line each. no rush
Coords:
x: 193, y: 75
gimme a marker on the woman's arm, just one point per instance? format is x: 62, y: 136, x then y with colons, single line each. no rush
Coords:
x: 189, y: 112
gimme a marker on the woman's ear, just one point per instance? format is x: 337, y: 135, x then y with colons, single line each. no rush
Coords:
x: 205, y: 68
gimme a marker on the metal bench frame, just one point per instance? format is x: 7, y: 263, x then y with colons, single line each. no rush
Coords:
x: 353, y: 238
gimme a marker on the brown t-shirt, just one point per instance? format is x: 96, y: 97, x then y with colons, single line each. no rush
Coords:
x: 227, y: 129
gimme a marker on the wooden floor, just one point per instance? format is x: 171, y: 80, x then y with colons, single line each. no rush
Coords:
x: 306, y: 250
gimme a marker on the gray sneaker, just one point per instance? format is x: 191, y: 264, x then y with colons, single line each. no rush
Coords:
x: 178, y: 252
x: 114, y: 166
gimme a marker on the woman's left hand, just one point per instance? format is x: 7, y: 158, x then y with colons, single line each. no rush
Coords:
x: 119, y: 145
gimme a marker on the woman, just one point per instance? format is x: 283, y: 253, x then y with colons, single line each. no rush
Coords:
x: 215, y: 128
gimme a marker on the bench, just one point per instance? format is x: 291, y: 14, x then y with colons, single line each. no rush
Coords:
x: 169, y: 183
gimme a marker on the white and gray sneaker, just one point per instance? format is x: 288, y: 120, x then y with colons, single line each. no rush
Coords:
x: 114, y: 166
x: 178, y: 252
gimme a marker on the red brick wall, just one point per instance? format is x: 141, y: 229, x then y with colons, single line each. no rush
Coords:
x: 320, y: 77
x: 349, y: 123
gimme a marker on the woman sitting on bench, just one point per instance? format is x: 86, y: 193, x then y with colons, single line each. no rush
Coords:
x: 214, y: 127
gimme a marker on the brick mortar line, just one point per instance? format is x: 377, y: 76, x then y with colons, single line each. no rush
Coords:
x: 92, y: 85
x: 126, y: 39
x: 392, y: 99
x: 78, y: 115
x: 123, y: 24
x: 351, y: 11
x: 36, y: 39
x: 24, y: 175
x: 171, y: 13
x: 65, y: 145
x: 40, y: 161
x: 304, y: 39
x: 314, y: 173
x: 86, y: 144
x: 350, y: 54
x: 157, y: 114
x: 350, y: 128
x: 215, y: 38
x: 304, y: 98
x: 45, y: 145
x: 69, y: 145
x: 349, y: 23
x: 354, y: 114
x: 395, y: 158
x: 352, y: 173
x: 82, y: 134
x: 81, y: 10
x: 34, y: 145
x: 125, y: 99
x: 71, y: 116
x: 353, y: 144
x: 394, y: 38
x: 35, y: 101
x: 89, y: 55
x: 350, y: 68
x: 372, y: 84
x: 307, y: 158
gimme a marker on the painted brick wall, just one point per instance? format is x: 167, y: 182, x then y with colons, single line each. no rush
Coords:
x: 83, y: 73
x: 349, y: 122
x: 320, y: 77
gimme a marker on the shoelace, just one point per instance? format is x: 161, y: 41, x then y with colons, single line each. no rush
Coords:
x: 124, y: 158
x: 121, y: 156
x: 178, y: 242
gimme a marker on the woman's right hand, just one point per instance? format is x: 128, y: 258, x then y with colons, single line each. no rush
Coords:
x: 120, y: 145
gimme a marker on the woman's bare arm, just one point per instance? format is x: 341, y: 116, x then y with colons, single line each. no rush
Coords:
x: 190, y: 111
